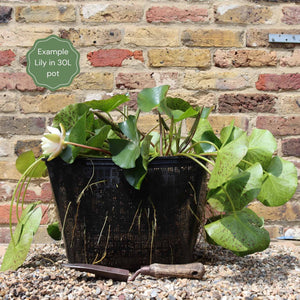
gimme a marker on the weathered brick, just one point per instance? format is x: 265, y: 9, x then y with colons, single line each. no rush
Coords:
x: 22, y: 126
x: 113, y: 57
x: 4, y: 238
x: 274, y: 230
x: 277, y: 1
x: 279, y: 125
x: 92, y: 81
x: 291, y: 61
x: 145, y: 80
x: 260, y: 37
x: 147, y: 122
x: 44, y: 14
x: 179, y: 58
x: 235, y: 103
x: 45, y: 104
x: 212, y: 38
x: 200, y: 98
x: 26, y: 145
x: 91, y: 36
x: 8, y: 171
x: 274, y: 82
x: 287, y: 212
x: 4, y: 214
x: 215, y: 81
x: 219, y: 121
x: 5, y: 14
x: 243, y: 14
x: 7, y: 102
x: 23, y: 38
x: 291, y: 15
x: 152, y: 37
x: 18, y: 81
x: 291, y: 147
x: 110, y: 13
x: 289, y: 104
x: 168, y: 14
x: 244, y: 58
x: 6, y: 57
x: 4, y: 147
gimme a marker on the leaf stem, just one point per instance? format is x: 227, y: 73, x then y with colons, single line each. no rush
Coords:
x: 192, y: 157
x: 89, y: 147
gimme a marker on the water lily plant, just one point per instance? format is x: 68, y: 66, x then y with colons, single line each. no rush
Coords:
x: 241, y: 167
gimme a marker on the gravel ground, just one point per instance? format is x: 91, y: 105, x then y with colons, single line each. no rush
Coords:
x: 272, y: 274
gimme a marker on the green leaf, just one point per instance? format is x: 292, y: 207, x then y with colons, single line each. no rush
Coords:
x: 262, y: 145
x: 226, y: 133
x: 136, y: 175
x: 242, y: 188
x: 98, y: 139
x: 205, y: 133
x: 124, y: 153
x: 26, y: 160
x: 69, y: 115
x: 108, y: 105
x: 129, y: 128
x: 54, y: 231
x: 150, y: 98
x: 77, y: 134
x: 230, y: 133
x: 280, y: 183
x: 242, y: 232
x: 23, y: 235
x: 228, y: 158
x: 177, y: 108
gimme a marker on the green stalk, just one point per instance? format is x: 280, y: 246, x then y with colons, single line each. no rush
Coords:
x: 170, y: 136
x: 88, y: 147
x: 160, y: 136
x: 195, y: 160
x: 19, y: 185
x: 202, y: 142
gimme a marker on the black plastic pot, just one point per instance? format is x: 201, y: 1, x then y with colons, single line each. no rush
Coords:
x: 107, y: 221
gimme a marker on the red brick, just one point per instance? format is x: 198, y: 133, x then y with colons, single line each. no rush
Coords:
x: 41, y: 193
x: 167, y: 14
x: 5, y: 14
x: 274, y: 82
x: 235, y: 103
x: 18, y: 81
x: 112, y: 57
x: 291, y: 15
x: 6, y: 57
x: 279, y: 125
x: 5, y: 209
x: 291, y: 147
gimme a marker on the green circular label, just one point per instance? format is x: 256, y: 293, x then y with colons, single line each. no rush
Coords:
x: 53, y: 62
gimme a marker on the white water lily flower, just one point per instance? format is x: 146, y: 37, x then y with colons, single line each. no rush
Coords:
x: 54, y: 143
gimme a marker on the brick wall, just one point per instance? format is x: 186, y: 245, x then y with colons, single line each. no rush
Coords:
x: 208, y: 51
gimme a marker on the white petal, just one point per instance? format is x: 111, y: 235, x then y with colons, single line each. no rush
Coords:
x: 53, y: 130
